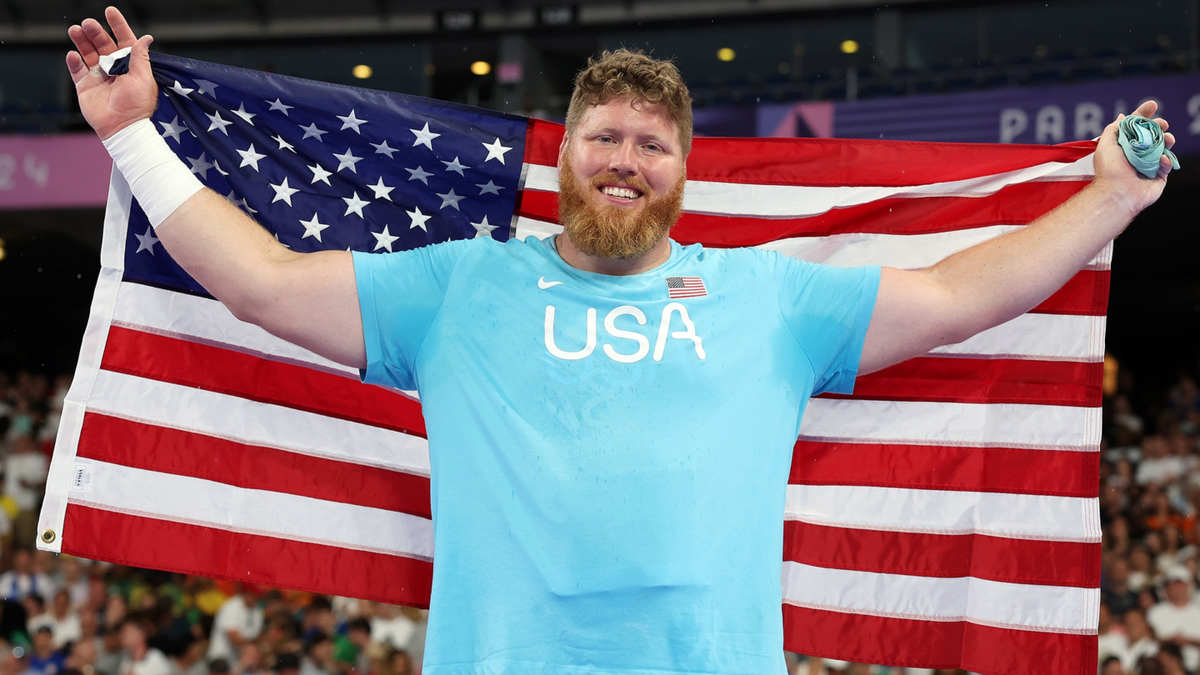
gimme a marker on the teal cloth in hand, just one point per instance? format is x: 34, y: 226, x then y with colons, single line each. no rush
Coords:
x: 1143, y: 142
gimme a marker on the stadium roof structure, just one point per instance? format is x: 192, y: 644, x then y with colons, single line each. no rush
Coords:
x: 25, y: 21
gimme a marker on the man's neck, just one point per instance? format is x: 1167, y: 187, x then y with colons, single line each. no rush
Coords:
x: 613, y: 266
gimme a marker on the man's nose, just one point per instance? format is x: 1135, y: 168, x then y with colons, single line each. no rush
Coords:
x: 623, y: 160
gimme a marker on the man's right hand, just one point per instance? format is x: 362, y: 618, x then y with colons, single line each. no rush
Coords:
x: 110, y: 104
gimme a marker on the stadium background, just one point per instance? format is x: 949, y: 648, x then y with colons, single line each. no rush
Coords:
x: 919, y: 66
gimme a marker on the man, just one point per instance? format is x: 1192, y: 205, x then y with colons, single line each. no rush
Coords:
x: 238, y: 622
x: 140, y: 658
x: 1176, y: 620
x: 23, y: 579
x: 603, y: 503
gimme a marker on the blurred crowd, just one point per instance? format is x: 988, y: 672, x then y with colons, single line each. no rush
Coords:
x: 68, y: 616
x: 1149, y: 499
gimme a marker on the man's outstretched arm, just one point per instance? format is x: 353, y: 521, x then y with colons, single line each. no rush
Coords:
x: 998, y: 280
x: 308, y: 299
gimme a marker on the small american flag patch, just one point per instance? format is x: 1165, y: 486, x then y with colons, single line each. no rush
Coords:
x: 685, y: 287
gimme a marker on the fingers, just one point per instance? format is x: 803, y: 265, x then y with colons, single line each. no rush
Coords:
x: 1147, y: 109
x: 99, y: 37
x: 1169, y: 139
x: 139, y: 58
x: 122, y: 31
x: 87, y: 50
x: 76, y: 67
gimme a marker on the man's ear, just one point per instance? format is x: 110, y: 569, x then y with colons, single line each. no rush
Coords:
x: 562, y: 150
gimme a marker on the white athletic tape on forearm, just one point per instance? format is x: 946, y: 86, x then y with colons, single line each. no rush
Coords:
x: 158, y: 179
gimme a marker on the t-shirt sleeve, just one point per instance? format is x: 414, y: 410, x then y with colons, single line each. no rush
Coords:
x: 399, y: 296
x: 828, y: 310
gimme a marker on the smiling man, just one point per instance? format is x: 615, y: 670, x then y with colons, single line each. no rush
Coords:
x: 610, y: 415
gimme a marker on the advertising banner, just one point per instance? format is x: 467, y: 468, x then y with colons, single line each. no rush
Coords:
x: 67, y: 171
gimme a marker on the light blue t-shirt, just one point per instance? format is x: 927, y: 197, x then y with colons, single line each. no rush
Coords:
x: 609, y: 463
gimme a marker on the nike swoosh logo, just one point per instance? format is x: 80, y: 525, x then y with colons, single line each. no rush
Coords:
x: 543, y: 284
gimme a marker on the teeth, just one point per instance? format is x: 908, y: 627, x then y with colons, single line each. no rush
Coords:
x: 625, y: 193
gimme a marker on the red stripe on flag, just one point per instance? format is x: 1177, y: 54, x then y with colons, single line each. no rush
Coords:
x: 836, y: 162
x: 1059, y: 473
x: 954, y: 380
x: 1018, y: 561
x: 184, y: 453
x: 1084, y: 294
x: 937, y: 644
x: 152, y: 543
x: 257, y: 378
x: 1018, y: 204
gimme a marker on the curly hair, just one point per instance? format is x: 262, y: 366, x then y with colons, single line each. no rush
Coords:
x: 623, y: 73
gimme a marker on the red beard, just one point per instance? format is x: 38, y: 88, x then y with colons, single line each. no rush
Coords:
x: 611, y: 232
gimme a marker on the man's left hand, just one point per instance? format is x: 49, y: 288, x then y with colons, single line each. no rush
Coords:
x: 1116, y: 175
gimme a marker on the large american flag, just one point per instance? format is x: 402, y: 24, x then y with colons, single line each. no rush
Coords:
x: 945, y: 515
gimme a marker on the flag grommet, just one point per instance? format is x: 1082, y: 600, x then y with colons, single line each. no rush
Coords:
x: 48, y: 536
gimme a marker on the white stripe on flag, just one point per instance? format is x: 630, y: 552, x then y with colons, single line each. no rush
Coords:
x: 905, y: 251
x: 1014, y: 516
x: 990, y: 603
x: 939, y: 423
x: 206, y: 320
x: 254, y: 423
x: 1051, y: 337
x: 775, y: 201
x: 276, y: 514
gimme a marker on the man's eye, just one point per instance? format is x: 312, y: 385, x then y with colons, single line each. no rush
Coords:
x: 652, y: 147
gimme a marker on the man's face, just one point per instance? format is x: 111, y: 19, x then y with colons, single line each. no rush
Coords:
x: 621, y: 177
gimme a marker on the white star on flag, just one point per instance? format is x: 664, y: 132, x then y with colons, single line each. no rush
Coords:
x: 217, y: 166
x: 207, y: 87
x: 450, y: 199
x: 172, y: 129
x: 312, y: 228
x: 418, y: 218
x: 495, y: 150
x: 218, y: 122
x: 180, y: 89
x: 241, y: 112
x: 311, y: 131
x: 146, y: 241
x: 319, y: 174
x: 383, y: 149
x: 200, y: 166
x: 419, y: 174
x: 381, y: 191
x: 483, y: 228
x: 355, y: 205
x: 489, y: 187
x: 383, y: 239
x: 284, y: 145
x: 280, y: 106
x: 283, y: 192
x: 455, y: 166
x: 232, y: 198
x: 250, y: 157
x: 424, y: 137
x: 351, y: 122
x: 347, y: 160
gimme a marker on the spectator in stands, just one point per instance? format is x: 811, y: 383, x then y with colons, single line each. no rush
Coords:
x: 1157, y: 465
x: 24, y: 479
x: 251, y: 660
x: 72, y: 577
x: 1140, y: 575
x: 1176, y: 620
x: 139, y: 658
x: 1111, y: 665
x: 319, y: 618
x: 350, y: 651
x: 45, y: 659
x: 1141, y: 642
x: 191, y: 660
x: 1119, y: 597
x: 82, y: 657
x: 1112, y: 639
x: 391, y: 627
x: 64, y: 620
x: 287, y: 664
x: 1171, y: 660
x: 109, y: 652
x: 237, y: 624
x: 318, y: 656
x: 21, y: 580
